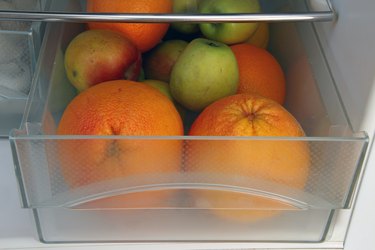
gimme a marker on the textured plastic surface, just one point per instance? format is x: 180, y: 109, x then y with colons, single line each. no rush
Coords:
x: 173, y: 225
x: 59, y: 172
x: 17, y: 63
x: 19, y: 48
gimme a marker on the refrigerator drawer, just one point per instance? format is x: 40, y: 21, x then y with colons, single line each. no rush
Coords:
x: 18, y: 58
x: 20, y: 43
x: 75, y: 198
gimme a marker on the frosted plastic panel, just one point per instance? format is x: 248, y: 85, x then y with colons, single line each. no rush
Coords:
x: 18, y: 54
x: 302, y: 174
x: 19, y: 49
x: 160, y: 225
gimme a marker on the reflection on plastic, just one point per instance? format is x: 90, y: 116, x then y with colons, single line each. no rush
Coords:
x: 281, y: 162
x: 85, y: 162
x: 220, y: 175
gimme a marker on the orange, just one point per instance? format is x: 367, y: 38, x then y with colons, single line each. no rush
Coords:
x: 267, y: 168
x: 260, y: 72
x: 120, y: 108
x: 144, y: 35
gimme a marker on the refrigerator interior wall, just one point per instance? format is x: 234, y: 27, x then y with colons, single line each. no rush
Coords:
x: 349, y: 49
x: 347, y: 44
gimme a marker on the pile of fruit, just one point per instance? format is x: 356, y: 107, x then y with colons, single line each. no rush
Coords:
x: 199, y: 79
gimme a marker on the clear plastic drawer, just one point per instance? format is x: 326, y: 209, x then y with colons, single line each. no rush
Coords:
x: 77, y: 196
x: 20, y: 42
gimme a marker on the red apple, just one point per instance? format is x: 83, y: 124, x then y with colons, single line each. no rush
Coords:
x: 158, y: 63
x: 96, y: 56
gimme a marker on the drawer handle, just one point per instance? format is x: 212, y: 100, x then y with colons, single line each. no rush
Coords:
x: 314, y: 16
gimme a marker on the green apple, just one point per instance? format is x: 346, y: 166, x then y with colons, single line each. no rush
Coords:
x: 189, y: 7
x: 158, y: 62
x: 228, y: 33
x: 206, y: 71
x: 141, y: 76
x: 163, y: 87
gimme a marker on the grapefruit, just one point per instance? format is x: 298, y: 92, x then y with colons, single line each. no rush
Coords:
x: 273, y: 162
x: 120, y: 108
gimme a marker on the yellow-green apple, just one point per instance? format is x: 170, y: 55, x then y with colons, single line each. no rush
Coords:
x: 161, y: 86
x: 206, y: 71
x: 141, y: 76
x: 96, y: 56
x: 158, y: 63
x: 261, y: 36
x: 164, y: 88
x: 188, y: 7
x: 228, y: 33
